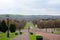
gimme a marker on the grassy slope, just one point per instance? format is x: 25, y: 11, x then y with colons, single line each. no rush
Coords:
x: 3, y: 36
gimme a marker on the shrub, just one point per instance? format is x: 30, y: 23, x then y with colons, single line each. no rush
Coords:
x: 52, y: 32
x: 16, y: 33
x: 12, y: 27
x: 39, y: 38
x: 31, y: 33
x: 20, y: 32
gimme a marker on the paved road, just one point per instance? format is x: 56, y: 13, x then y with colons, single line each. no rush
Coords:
x: 24, y: 36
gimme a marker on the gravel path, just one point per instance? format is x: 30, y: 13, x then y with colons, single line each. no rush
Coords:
x: 24, y: 36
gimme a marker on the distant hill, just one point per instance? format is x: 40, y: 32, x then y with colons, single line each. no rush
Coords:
x: 28, y: 17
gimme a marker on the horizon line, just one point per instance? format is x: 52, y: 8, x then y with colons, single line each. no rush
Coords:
x: 33, y: 14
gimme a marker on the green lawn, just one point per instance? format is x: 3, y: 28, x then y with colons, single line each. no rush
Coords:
x: 3, y: 36
x: 58, y: 31
x: 32, y: 37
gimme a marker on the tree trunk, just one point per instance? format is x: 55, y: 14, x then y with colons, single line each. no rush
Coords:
x: 54, y: 30
x: 46, y: 29
x: 8, y: 27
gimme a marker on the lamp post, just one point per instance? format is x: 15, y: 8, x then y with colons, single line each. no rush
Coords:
x: 8, y: 25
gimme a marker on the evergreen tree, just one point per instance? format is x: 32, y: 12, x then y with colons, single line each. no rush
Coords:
x: 3, y: 26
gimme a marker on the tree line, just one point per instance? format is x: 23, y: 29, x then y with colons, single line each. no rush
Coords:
x: 47, y: 23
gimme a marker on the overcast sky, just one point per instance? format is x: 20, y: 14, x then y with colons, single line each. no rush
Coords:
x: 30, y: 7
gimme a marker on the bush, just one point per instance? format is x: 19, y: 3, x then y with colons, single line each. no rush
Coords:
x: 31, y: 33
x: 16, y: 33
x: 39, y: 38
x: 12, y: 27
x: 52, y: 32
x: 20, y: 32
